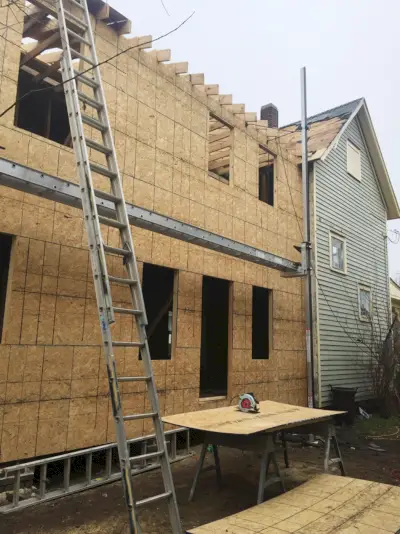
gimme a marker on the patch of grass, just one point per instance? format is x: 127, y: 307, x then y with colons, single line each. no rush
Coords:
x: 378, y: 426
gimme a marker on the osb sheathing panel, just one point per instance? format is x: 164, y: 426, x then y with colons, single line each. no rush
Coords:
x: 324, y: 505
x: 53, y: 386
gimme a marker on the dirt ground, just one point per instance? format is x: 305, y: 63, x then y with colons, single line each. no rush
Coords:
x: 102, y: 510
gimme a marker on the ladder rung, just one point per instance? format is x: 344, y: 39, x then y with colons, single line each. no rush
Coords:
x: 107, y: 196
x: 134, y: 378
x: 90, y: 101
x: 139, y: 416
x: 80, y: 22
x: 77, y: 4
x: 85, y: 79
x: 127, y: 281
x: 127, y: 311
x: 111, y: 222
x: 98, y: 146
x: 102, y: 170
x: 118, y: 251
x: 79, y: 38
x: 127, y: 344
x: 156, y: 498
x: 335, y: 460
x: 146, y: 456
x: 90, y: 121
x: 86, y: 59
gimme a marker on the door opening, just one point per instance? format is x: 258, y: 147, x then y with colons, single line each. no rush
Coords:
x: 214, y: 338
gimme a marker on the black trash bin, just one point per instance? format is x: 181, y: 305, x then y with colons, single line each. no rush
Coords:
x: 344, y: 399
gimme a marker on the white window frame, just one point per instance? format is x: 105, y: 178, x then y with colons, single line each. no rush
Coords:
x: 353, y: 147
x: 362, y: 287
x: 343, y: 239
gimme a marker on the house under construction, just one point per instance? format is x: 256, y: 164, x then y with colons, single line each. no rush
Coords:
x: 224, y: 199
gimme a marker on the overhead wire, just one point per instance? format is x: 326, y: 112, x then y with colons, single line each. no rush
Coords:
x: 165, y: 8
x: 99, y: 64
x: 44, y: 23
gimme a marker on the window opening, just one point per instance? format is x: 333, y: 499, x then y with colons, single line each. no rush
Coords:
x: 353, y: 160
x: 266, y: 171
x: 261, y: 323
x: 338, y: 253
x: 365, y: 305
x: 219, y: 148
x: 158, y: 294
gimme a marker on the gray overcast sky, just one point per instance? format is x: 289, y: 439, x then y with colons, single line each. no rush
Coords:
x: 255, y: 49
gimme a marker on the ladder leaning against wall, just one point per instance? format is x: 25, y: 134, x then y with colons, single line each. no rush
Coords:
x: 84, y: 92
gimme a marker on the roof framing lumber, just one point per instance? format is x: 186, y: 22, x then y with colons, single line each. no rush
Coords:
x: 197, y: 79
x: 36, y: 183
x: 50, y: 42
x: 142, y: 42
x: 161, y: 55
x: 235, y: 108
x: 48, y: 72
x: 51, y: 8
x: 180, y: 68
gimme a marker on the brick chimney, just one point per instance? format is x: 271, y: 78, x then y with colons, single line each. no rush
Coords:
x: 270, y: 113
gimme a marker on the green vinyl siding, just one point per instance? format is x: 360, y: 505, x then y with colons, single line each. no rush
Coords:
x: 355, y: 210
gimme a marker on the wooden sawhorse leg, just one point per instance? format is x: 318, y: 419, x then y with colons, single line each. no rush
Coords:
x: 330, y: 438
x: 268, y: 457
x: 199, y: 468
x: 285, y: 451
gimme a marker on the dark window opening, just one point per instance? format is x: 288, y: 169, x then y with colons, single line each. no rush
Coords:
x: 214, y: 338
x: 265, y: 176
x: 260, y: 323
x: 219, y: 148
x: 5, y: 254
x: 158, y: 294
x: 43, y: 113
x: 266, y: 184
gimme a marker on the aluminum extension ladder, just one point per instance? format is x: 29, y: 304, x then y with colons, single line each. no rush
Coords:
x: 98, y: 250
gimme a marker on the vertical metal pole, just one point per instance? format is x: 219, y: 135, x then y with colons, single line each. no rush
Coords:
x: 306, y: 245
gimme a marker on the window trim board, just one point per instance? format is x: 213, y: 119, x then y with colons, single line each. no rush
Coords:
x: 364, y: 287
x: 336, y: 235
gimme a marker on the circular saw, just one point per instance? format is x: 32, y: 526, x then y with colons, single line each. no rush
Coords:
x: 248, y: 403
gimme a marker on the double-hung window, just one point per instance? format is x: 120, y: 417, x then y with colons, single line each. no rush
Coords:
x: 364, y: 303
x: 338, y: 253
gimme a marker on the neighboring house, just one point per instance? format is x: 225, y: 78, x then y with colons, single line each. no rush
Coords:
x: 351, y: 200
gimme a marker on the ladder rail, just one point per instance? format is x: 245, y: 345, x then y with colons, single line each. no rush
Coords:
x: 99, y: 266
x: 116, y: 184
x: 81, y: 152
x: 98, y: 251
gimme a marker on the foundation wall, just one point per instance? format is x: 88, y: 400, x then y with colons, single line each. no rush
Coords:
x: 53, y: 390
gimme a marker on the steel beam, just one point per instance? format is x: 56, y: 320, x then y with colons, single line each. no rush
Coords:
x: 44, y: 185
